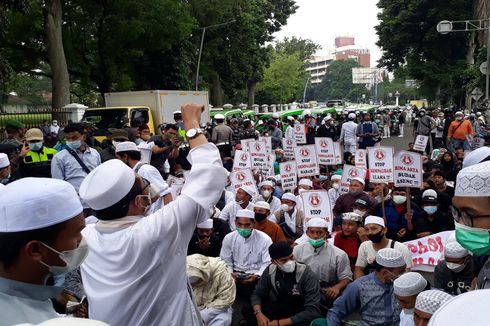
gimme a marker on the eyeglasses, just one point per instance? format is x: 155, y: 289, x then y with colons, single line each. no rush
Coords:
x: 463, y: 216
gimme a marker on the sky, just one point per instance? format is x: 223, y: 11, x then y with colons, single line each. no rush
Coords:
x: 323, y: 20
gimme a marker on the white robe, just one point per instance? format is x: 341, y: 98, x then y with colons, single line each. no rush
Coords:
x: 150, y: 173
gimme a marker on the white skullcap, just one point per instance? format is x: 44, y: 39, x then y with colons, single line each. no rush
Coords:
x: 409, y: 284
x: 473, y: 181
x: 336, y: 177
x: 471, y: 307
x: 4, y: 160
x: 266, y: 183
x: 351, y: 115
x: 126, y: 146
x: 107, y: 184
x: 63, y: 321
x: 371, y: 219
x: 35, y: 203
x: 317, y: 222
x: 429, y: 193
x: 458, y: 113
x: 208, y: 224
x: 455, y: 250
x: 275, y: 115
x: 177, y: 112
x: 476, y: 156
x: 429, y: 301
x: 360, y: 180
x: 327, y: 118
x: 305, y: 182
x: 249, y: 190
x: 351, y: 217
x: 290, y: 118
x: 262, y: 204
x: 390, y: 257
x: 219, y: 117
x: 245, y: 213
x: 289, y: 196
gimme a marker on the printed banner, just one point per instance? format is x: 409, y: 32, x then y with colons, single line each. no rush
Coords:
x: 300, y: 133
x: 325, y: 150
x: 242, y: 178
x: 268, y: 143
x: 361, y: 158
x: 317, y: 204
x: 241, y: 161
x: 339, y: 153
x: 408, y: 169
x: 380, y: 164
x: 306, y: 162
x: 245, y: 142
x: 258, y: 155
x: 420, y: 143
x: 428, y: 251
x: 288, y: 145
x: 350, y: 172
x: 289, y: 176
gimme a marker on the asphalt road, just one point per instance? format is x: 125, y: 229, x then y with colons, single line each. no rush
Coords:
x: 399, y: 143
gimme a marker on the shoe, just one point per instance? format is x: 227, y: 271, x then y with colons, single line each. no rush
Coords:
x: 400, y: 136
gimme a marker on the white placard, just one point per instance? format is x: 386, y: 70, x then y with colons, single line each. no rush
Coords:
x: 380, y: 164
x: 271, y: 160
x: 428, y: 251
x: 325, y: 150
x: 477, y: 142
x: 242, y: 178
x: 408, y: 169
x: 245, y: 142
x: 361, y: 158
x: 258, y: 155
x: 348, y: 173
x: 300, y: 133
x: 288, y: 145
x: 242, y: 160
x: 317, y: 204
x: 306, y: 162
x: 289, y: 176
x: 338, y: 153
x: 176, y: 185
x: 268, y: 143
x: 420, y: 143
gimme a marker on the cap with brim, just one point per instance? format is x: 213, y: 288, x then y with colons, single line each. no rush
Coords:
x: 455, y: 250
x: 317, y: 222
x: 12, y: 123
x: 4, y: 160
x: 262, y: 204
x: 431, y: 300
x: 35, y: 203
x: 429, y: 200
x: 476, y: 156
x: 305, y: 182
x: 126, y: 146
x: 360, y: 180
x: 473, y: 181
x: 34, y: 134
x: 371, y: 219
x: 208, y: 224
x: 280, y: 250
x: 361, y: 203
x: 289, y: 196
x: 245, y: 213
x: 409, y: 284
x: 351, y: 217
x: 390, y: 258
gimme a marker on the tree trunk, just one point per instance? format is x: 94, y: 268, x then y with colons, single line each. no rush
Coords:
x: 56, y: 54
x: 251, y: 92
x: 216, y: 92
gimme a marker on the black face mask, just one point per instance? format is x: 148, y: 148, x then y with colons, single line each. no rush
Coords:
x: 259, y: 217
x: 377, y: 237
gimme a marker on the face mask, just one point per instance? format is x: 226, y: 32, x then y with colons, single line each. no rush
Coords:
x: 259, y: 217
x: 475, y: 240
x: 72, y: 258
x: 285, y: 207
x: 244, y: 232
x: 300, y: 190
x: 459, y: 118
x: 399, y: 199
x: 114, y: 143
x: 287, y: 267
x: 336, y: 186
x: 35, y: 146
x: 377, y: 237
x: 266, y: 193
x: 145, y: 137
x: 354, y: 192
x: 408, y: 311
x: 421, y: 114
x: 4, y: 181
x: 74, y: 144
x: 455, y: 267
x: 430, y: 209
x: 153, y: 193
x: 316, y: 243
x: 55, y: 123
x: 358, y: 211
x: 240, y: 202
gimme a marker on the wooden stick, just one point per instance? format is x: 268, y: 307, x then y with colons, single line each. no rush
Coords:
x: 409, y: 201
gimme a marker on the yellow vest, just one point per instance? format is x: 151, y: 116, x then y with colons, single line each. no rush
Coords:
x: 46, y: 155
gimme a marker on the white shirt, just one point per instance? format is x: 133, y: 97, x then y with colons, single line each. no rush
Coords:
x: 150, y: 173
x: 248, y: 255
x: 228, y: 213
x: 275, y: 203
x: 289, y: 132
x: 348, y: 132
x: 54, y: 129
x: 367, y: 255
x: 289, y: 219
x: 333, y: 194
x: 135, y: 272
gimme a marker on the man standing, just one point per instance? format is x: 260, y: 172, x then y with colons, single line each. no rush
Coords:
x: 275, y: 133
x: 139, y: 261
x: 117, y: 136
x: 367, y: 131
x: 15, y: 132
x: 54, y: 128
x: 327, y: 129
x: 166, y: 146
x: 5, y: 171
x: 348, y: 134
x: 243, y: 200
x: 222, y: 135
x: 37, y: 162
x: 423, y: 126
x: 290, y: 128
x: 460, y: 132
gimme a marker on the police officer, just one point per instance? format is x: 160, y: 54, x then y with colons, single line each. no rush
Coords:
x: 37, y: 162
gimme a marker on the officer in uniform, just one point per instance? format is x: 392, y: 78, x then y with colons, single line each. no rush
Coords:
x: 37, y: 162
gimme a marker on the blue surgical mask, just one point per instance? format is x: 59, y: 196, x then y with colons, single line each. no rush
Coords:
x: 74, y: 144
x: 430, y: 209
x: 35, y: 146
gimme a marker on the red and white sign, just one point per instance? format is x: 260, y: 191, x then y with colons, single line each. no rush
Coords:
x: 348, y: 173
x: 242, y: 178
x: 268, y: 143
x: 317, y: 204
x: 306, y: 162
x: 289, y: 176
x: 338, y: 152
x: 428, y: 251
x: 408, y: 169
x: 245, y: 142
x: 270, y: 164
x: 361, y: 158
x: 300, y: 133
x: 420, y: 143
x: 288, y: 145
x: 325, y: 150
x: 258, y: 155
x: 380, y: 164
x: 242, y: 160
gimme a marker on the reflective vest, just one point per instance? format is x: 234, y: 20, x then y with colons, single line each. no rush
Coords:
x: 38, y: 164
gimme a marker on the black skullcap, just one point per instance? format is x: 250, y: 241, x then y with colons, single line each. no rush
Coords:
x: 280, y: 250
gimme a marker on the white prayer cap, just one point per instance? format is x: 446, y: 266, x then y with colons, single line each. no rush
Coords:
x: 317, y: 222
x: 473, y: 181
x: 266, y: 183
x: 458, y: 113
x: 219, y: 116
x: 245, y: 213
x: 177, y: 112
x: 336, y: 177
x: 351, y: 217
x: 107, y: 184
x: 4, y: 160
x: 390, y: 257
x: 471, y: 307
x: 476, y: 156
x: 351, y: 115
x: 327, y: 118
x: 429, y: 301
x: 290, y: 118
x: 63, y: 321
x: 35, y: 203
x: 455, y: 250
x: 262, y: 204
x: 249, y: 190
x: 429, y: 193
x: 360, y: 180
x: 371, y: 219
x: 289, y: 196
x: 305, y: 182
x: 275, y: 115
x: 126, y: 146
x: 409, y: 284
x: 208, y: 224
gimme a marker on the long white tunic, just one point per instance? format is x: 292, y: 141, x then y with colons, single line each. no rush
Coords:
x: 135, y: 274
x: 348, y: 132
x: 248, y: 255
x: 228, y: 213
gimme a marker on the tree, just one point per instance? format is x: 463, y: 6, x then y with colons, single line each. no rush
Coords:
x: 305, y: 48
x: 337, y: 82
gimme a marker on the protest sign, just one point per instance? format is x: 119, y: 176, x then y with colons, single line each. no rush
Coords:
x: 420, y: 143
x: 325, y: 150
x: 317, y: 204
x: 428, y: 251
x: 300, y: 133
x: 380, y: 164
x: 408, y: 169
x: 270, y: 163
x: 288, y: 145
x: 306, y: 162
x: 477, y: 142
x: 242, y: 178
x: 244, y: 143
x: 289, y: 176
x: 176, y: 185
x: 258, y: 155
x: 361, y: 158
x: 348, y: 173
x: 268, y: 143
x: 242, y: 160
x: 338, y: 153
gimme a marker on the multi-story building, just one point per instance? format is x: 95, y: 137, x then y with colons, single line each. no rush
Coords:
x: 317, y: 68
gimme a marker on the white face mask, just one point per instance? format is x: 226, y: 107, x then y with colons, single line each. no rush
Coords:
x: 455, y: 267
x: 72, y: 258
x: 397, y: 199
x: 287, y: 267
x: 286, y: 207
x: 336, y: 186
x: 266, y: 193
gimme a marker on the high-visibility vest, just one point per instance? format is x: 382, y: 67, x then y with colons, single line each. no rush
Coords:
x: 38, y: 164
x: 45, y: 155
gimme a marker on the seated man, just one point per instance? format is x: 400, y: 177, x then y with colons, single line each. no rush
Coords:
x: 406, y: 289
x: 213, y: 287
x: 266, y: 189
x: 262, y: 223
x: 288, y: 292
x: 356, y: 191
x: 376, y: 233
x: 243, y: 200
x: 426, y: 305
x: 432, y: 219
x: 351, y: 236
x: 290, y: 217
x: 372, y: 294
x: 329, y: 263
x: 204, y: 241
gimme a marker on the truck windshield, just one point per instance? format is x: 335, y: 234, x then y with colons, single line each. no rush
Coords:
x: 106, y: 118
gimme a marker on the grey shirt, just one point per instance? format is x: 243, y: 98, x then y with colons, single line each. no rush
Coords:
x: 222, y: 134
x: 424, y: 125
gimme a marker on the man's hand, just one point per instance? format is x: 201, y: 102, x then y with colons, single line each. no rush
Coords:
x: 361, y: 232
x: 262, y: 320
x: 191, y: 115
x: 331, y: 293
x: 204, y: 243
x: 24, y: 150
x: 251, y: 279
x: 401, y: 233
x: 408, y: 216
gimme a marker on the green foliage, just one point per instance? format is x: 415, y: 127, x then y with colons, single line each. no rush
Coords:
x: 305, y: 48
x: 337, y: 82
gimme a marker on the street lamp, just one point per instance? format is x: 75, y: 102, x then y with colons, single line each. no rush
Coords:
x: 397, y: 96
x: 200, y: 48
